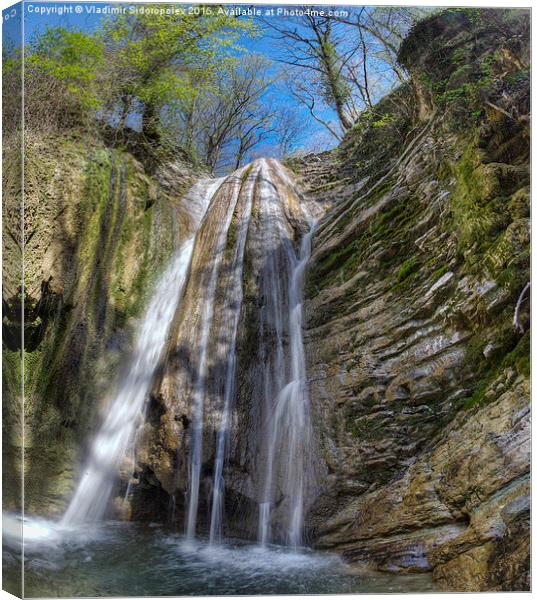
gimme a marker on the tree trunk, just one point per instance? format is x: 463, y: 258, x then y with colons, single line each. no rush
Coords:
x: 338, y: 101
x: 150, y: 123
x: 125, y: 108
x: 189, y: 135
x: 333, y: 78
x: 240, y: 155
x: 211, y: 155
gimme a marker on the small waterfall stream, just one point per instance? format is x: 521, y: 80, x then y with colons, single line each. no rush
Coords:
x: 289, y: 430
x: 199, y: 391
x: 115, y: 435
x: 234, y: 294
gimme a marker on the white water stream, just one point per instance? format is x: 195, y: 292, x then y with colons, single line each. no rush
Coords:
x: 229, y: 332
x: 289, y: 429
x: 115, y: 435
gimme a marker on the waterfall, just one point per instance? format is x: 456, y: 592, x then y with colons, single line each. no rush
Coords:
x: 251, y: 215
x: 255, y: 216
x: 228, y: 331
x: 215, y: 256
x: 289, y: 429
x: 114, y: 437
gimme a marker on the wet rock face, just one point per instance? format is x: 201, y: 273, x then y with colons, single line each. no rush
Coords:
x: 98, y: 231
x: 236, y: 303
x: 417, y: 369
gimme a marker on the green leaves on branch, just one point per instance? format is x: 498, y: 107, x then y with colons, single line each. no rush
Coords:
x: 155, y: 55
x: 71, y: 57
x: 139, y: 64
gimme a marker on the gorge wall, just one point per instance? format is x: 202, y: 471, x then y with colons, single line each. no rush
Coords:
x: 417, y: 315
x: 98, y: 231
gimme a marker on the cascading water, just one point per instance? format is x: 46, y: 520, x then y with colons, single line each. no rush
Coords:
x: 112, y: 442
x: 253, y: 211
x: 289, y: 430
x: 254, y: 219
x: 289, y: 426
x: 229, y: 332
x: 215, y: 258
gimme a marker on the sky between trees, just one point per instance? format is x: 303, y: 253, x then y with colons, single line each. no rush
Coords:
x: 221, y: 84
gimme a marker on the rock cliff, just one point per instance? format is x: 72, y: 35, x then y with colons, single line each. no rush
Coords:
x: 98, y: 231
x: 417, y: 314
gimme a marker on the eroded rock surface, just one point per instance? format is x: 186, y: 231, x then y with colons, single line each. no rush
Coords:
x: 418, y: 366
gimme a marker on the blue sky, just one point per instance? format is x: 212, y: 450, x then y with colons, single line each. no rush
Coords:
x: 85, y: 16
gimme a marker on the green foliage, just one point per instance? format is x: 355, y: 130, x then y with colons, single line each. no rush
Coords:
x: 476, y: 83
x: 71, y: 57
x: 133, y: 66
x: 161, y: 57
x: 491, y: 19
x: 462, y: 76
x: 518, y: 76
x: 385, y: 119
x: 458, y: 56
x: 379, y: 133
x: 11, y: 60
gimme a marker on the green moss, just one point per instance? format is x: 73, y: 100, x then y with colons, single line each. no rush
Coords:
x: 409, y: 267
x: 11, y: 371
x: 439, y: 272
x: 293, y: 165
x: 377, y: 135
x: 473, y: 215
x: 489, y: 369
x: 96, y: 194
x: 120, y: 244
x: 145, y: 274
x: 231, y: 237
x: 137, y: 229
x: 390, y: 230
x: 246, y: 173
x: 519, y: 358
x: 11, y: 429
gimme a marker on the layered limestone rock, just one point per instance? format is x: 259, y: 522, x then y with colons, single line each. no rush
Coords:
x: 417, y: 330
x: 98, y: 231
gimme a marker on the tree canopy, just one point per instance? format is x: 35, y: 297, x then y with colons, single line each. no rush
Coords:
x: 191, y: 79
